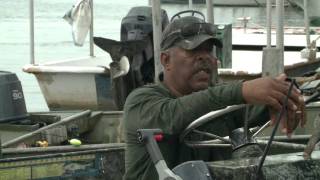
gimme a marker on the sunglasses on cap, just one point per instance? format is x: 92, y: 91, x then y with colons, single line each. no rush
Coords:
x: 193, y: 29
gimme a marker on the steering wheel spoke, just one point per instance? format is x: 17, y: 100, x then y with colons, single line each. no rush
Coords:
x: 216, y: 142
x: 210, y: 135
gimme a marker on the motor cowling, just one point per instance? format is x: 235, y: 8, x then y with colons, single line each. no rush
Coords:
x: 12, y: 103
x: 137, y: 25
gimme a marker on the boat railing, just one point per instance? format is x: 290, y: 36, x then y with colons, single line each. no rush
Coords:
x: 65, y: 69
x: 96, y: 65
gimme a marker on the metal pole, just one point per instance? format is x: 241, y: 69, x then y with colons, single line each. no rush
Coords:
x: 0, y: 148
x: 269, y: 23
x: 210, y: 17
x: 31, y: 27
x: 280, y: 33
x: 157, y: 32
x: 280, y: 9
x: 306, y: 22
x: 190, y: 4
x: 91, y: 30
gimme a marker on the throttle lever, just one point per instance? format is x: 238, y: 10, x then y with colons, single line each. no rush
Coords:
x: 149, y: 137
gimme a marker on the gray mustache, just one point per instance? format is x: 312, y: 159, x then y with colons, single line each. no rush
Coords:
x: 205, y: 66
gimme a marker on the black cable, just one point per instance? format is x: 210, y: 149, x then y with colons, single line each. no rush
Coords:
x: 283, y: 109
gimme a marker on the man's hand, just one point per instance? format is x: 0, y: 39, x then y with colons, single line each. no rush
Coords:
x: 272, y: 92
x: 291, y: 119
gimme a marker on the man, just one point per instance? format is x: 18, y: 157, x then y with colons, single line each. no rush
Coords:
x: 185, y: 94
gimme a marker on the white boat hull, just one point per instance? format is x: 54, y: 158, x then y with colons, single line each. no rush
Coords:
x: 75, y: 84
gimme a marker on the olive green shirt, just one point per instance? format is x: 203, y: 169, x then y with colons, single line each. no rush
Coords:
x: 154, y: 106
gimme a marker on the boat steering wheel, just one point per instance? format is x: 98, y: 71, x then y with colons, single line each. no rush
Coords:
x: 189, y: 12
x: 217, y: 140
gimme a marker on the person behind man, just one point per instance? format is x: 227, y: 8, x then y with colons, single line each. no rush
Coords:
x: 185, y: 93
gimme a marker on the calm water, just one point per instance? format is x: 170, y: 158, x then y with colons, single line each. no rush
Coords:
x: 53, y: 35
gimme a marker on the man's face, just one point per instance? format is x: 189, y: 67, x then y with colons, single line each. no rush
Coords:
x: 191, y: 70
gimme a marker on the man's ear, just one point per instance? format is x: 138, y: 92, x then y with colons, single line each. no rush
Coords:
x: 165, y: 60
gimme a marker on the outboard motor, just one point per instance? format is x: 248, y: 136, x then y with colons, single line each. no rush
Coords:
x: 12, y: 104
x: 137, y: 25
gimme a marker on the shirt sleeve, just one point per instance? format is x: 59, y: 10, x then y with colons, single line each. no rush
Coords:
x: 146, y: 108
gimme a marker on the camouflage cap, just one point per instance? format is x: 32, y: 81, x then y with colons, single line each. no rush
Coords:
x: 188, y: 33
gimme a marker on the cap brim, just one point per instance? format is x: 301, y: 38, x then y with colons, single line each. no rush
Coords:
x: 193, y: 42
